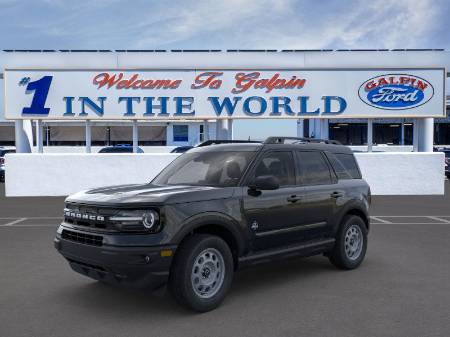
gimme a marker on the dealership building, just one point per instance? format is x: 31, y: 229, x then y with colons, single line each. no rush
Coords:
x: 61, y: 106
x: 63, y: 135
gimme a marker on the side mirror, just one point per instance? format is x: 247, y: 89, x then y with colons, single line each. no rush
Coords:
x: 265, y: 183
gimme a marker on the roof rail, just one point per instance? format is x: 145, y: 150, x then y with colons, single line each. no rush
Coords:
x: 296, y: 140
x: 225, y: 141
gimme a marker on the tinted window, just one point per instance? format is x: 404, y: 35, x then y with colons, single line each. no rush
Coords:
x: 345, y: 166
x: 278, y: 164
x: 221, y: 168
x: 313, y: 169
x: 340, y: 170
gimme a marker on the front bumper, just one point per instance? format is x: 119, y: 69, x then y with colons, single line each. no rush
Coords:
x: 141, y: 267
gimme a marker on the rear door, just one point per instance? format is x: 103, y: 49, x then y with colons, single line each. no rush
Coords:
x: 319, y: 192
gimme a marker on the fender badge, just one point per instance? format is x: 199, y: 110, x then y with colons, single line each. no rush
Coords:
x: 254, y: 226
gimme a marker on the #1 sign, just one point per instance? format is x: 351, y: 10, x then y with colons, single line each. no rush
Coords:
x: 216, y: 94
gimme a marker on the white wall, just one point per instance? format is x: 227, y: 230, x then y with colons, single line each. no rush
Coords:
x: 387, y: 173
x: 95, y: 149
x: 64, y: 174
x: 395, y: 173
x: 383, y: 148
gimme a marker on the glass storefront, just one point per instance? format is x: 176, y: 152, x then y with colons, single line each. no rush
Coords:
x: 383, y: 133
x: 349, y: 134
x: 442, y: 133
x: 56, y: 135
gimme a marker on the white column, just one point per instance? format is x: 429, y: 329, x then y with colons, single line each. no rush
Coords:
x: 311, y: 131
x: 402, y: 133
x: 426, y: 132
x: 88, y: 136
x: 300, y: 123
x: 229, y: 129
x: 135, y: 136
x: 39, y: 138
x: 369, y: 135
x: 221, y: 129
x: 324, y: 129
x: 169, y: 134
x: 23, y: 135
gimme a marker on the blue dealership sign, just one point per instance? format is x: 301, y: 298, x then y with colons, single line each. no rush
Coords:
x: 396, y: 91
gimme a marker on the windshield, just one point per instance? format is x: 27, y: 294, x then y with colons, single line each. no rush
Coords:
x: 220, y: 169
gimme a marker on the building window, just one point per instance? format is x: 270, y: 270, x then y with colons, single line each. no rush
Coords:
x: 180, y: 133
x: 389, y: 134
x: 202, y: 133
x: 442, y: 133
x: 349, y: 134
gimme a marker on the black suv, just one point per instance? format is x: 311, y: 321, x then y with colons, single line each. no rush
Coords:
x: 218, y: 208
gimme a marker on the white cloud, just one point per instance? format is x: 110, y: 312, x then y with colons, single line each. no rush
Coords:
x: 259, y: 24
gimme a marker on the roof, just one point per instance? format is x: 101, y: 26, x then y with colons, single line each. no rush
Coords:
x: 312, y: 146
x: 228, y: 147
x: 257, y: 146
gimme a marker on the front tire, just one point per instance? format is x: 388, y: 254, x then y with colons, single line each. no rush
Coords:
x: 351, y: 243
x: 202, y: 272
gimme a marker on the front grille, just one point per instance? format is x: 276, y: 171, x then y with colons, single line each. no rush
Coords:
x: 87, y: 239
x: 90, y: 211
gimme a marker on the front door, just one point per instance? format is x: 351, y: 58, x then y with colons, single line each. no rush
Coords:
x: 270, y: 213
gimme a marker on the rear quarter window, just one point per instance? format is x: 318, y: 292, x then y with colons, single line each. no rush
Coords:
x: 344, y: 165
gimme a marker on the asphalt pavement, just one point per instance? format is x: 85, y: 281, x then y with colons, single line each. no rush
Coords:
x: 401, y: 289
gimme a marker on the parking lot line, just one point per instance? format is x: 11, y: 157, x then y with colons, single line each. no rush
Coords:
x: 439, y: 219
x: 377, y: 218
x: 14, y: 222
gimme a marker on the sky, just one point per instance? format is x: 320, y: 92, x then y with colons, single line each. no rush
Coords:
x: 231, y: 24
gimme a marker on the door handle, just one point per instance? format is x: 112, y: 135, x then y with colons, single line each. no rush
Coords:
x: 336, y: 194
x: 294, y: 198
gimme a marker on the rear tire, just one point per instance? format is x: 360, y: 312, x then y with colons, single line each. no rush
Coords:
x: 202, y: 272
x: 351, y: 243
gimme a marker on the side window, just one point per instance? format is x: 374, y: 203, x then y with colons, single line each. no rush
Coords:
x: 280, y: 165
x: 344, y: 165
x: 340, y: 170
x: 349, y: 162
x: 313, y: 169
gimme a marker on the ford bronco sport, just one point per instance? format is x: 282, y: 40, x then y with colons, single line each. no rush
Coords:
x: 218, y: 208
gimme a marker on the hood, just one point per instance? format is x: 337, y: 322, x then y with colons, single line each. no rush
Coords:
x: 127, y: 195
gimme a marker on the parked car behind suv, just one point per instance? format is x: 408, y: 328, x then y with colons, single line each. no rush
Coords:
x: 447, y: 162
x: 120, y: 148
x: 3, y: 152
x: 219, y: 208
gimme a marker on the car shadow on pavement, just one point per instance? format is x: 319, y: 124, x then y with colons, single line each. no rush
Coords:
x: 104, y: 299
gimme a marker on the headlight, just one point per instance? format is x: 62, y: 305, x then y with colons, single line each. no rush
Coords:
x: 149, y: 219
x: 132, y: 221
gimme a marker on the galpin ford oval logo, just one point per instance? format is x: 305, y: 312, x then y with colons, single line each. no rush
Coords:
x: 396, y: 91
